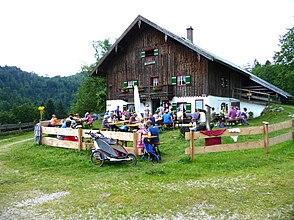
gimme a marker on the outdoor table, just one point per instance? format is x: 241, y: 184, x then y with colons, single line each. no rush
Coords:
x: 132, y: 126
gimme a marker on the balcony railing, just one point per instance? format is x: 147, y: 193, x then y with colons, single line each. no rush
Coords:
x: 161, y: 91
x: 254, y: 96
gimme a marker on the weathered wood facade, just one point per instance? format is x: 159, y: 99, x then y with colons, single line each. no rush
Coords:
x: 146, y: 52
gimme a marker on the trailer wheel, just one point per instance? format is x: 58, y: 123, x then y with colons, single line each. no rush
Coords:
x: 97, y: 158
x: 132, y: 159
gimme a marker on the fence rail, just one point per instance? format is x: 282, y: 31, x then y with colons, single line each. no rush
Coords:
x: 16, y: 128
x: 81, y: 134
x: 265, y: 143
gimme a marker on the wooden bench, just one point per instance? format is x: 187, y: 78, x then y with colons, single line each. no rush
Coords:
x: 158, y: 143
x: 230, y: 122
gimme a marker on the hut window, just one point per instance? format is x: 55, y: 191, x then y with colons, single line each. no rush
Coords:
x: 184, y: 106
x: 149, y: 53
x: 130, y: 84
x: 181, y: 80
x: 224, y: 82
x: 154, y: 81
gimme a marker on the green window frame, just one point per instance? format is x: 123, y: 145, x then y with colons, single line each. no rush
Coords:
x: 149, y: 52
x: 130, y: 84
x: 181, y: 80
x: 188, y: 107
x: 174, y: 107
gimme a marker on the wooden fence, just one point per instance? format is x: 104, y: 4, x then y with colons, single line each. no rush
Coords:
x: 16, y: 128
x: 265, y: 143
x: 49, y: 137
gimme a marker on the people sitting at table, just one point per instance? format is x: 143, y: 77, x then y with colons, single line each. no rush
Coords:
x: 238, y: 112
x: 67, y: 124
x: 112, y: 120
x: 152, y: 131
x: 53, y: 121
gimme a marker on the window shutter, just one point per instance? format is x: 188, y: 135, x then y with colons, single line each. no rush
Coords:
x: 156, y: 52
x: 188, y: 80
x: 142, y: 54
x: 188, y: 108
x: 125, y: 84
x: 174, y: 107
x: 136, y: 83
x: 174, y: 80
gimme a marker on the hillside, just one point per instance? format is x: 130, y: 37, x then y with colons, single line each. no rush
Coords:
x: 18, y: 87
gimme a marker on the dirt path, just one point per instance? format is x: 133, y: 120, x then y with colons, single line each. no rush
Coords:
x: 3, y: 147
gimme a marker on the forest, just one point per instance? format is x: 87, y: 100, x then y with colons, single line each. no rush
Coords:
x: 21, y: 91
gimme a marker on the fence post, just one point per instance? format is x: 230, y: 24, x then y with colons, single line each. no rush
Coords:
x: 80, y: 138
x: 293, y: 128
x: 192, y: 143
x: 266, y: 137
x: 135, y: 141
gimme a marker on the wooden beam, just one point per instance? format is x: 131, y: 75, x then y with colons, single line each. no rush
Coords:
x: 60, y: 143
x: 279, y: 126
x: 226, y: 147
x: 266, y: 137
x: 243, y: 131
x: 280, y: 139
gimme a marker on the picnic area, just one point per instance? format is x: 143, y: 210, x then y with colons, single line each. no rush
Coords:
x: 55, y: 182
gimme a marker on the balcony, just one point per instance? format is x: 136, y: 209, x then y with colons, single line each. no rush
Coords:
x: 254, y: 96
x: 148, y: 92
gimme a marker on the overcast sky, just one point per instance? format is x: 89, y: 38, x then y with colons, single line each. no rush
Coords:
x: 55, y: 37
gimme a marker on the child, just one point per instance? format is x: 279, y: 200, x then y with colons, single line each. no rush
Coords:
x: 140, y: 144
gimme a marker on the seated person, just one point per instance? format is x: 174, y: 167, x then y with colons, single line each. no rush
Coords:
x: 105, y: 123
x: 112, y: 119
x: 167, y: 119
x: 152, y: 131
x: 88, y: 119
x: 67, y: 124
x: 232, y: 113
x: 53, y: 121
x: 151, y: 118
x: 133, y: 119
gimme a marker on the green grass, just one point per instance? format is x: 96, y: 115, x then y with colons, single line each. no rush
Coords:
x: 238, y: 185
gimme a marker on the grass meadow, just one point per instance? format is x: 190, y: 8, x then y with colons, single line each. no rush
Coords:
x: 42, y: 182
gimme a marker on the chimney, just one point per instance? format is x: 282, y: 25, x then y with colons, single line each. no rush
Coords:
x: 190, y: 34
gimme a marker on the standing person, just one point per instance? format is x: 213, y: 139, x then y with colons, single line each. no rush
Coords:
x: 212, y: 114
x: 202, y: 116
x: 146, y: 111
x: 140, y: 143
x: 118, y: 112
x: 37, y: 132
x: 244, y: 116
